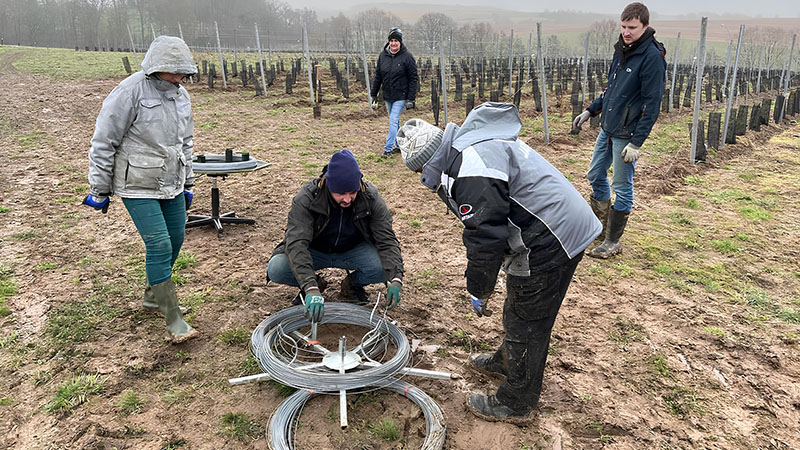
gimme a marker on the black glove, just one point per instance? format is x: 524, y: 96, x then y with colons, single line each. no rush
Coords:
x: 411, y: 105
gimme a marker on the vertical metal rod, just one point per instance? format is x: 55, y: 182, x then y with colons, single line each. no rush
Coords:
x: 153, y: 30
x: 366, y: 67
x: 511, y: 63
x: 444, y: 85
x: 674, y: 72
x: 342, y: 392
x: 450, y: 60
x: 314, y: 328
x: 180, y: 31
x: 260, y: 62
x: 221, y: 60
x: 585, y: 84
x: 732, y: 88
x: 235, y: 51
x: 308, y: 65
x: 133, y: 45
x: 760, y: 68
x: 788, y: 77
x: 698, y: 86
x: 727, y: 70
x: 542, y: 81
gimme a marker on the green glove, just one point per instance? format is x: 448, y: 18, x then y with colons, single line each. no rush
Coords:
x: 314, y: 305
x: 393, y: 293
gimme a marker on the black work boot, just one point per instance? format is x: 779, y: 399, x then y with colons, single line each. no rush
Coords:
x: 616, y: 226
x: 322, y: 283
x: 600, y: 210
x: 353, y: 293
x: 487, y: 407
x: 486, y: 363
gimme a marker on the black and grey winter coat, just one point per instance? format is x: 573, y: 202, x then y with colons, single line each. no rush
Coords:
x: 310, y: 214
x: 518, y: 211
x: 397, y: 73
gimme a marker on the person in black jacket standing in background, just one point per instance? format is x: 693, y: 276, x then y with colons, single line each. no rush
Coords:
x: 397, y: 73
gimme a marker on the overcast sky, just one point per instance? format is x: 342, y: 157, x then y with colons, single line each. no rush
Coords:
x: 763, y: 8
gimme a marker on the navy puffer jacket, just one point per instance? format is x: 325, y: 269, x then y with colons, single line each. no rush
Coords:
x: 397, y: 74
x: 632, y: 99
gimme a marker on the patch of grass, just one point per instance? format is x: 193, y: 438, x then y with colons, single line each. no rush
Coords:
x: 717, y: 332
x: 66, y: 200
x: 692, y: 203
x: 235, y: 336
x: 46, y: 266
x: 249, y: 367
x: 4, y: 209
x: 624, y: 269
x: 7, y: 289
x: 185, y: 259
x: 208, y: 125
x: 744, y: 237
x: 789, y: 337
x: 660, y: 365
x: 663, y: 269
x: 428, y: 278
x: 75, y: 392
x: 386, y: 429
x: 755, y: 213
x: 693, y: 180
x: 788, y: 314
x: 24, y: 236
x: 240, y: 426
x: 68, y: 64
x: 41, y: 377
x: 194, y: 301
x: 747, y: 176
x: 81, y: 189
x: 725, y: 246
x: 628, y: 330
x: 130, y: 403
x: 679, y: 218
x: 415, y: 223
x: 174, y: 396
x: 76, y: 322
x: 682, y: 401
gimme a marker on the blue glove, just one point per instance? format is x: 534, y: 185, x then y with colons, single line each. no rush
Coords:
x: 188, y: 196
x: 99, y: 202
x: 479, y: 306
x: 314, y: 305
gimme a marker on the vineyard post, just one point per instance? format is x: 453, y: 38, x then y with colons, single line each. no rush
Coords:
x: 221, y: 60
x: 260, y: 61
x: 674, y: 72
x: 698, y: 86
x: 787, y: 78
x: 732, y: 88
x: 542, y: 80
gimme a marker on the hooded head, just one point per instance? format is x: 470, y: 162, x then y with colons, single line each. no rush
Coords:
x: 168, y: 54
x: 343, y: 174
x: 418, y: 141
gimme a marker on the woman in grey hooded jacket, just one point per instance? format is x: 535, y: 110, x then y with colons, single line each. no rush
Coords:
x: 142, y: 152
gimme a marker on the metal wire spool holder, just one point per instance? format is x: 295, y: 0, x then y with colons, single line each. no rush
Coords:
x: 299, y: 360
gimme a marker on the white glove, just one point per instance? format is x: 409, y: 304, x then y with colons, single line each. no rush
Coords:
x: 581, y: 118
x: 630, y: 153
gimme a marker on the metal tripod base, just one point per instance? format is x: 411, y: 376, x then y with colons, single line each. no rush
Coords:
x: 216, y: 218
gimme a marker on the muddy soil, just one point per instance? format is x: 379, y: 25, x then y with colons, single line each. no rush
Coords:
x: 598, y: 391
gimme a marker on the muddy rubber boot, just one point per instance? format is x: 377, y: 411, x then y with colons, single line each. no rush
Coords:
x: 353, y: 293
x: 488, y: 407
x: 167, y: 299
x: 149, y: 301
x: 616, y: 226
x: 600, y: 210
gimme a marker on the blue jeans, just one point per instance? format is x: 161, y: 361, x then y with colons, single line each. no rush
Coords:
x: 363, y: 260
x: 394, y: 109
x: 622, y: 179
x: 162, y: 225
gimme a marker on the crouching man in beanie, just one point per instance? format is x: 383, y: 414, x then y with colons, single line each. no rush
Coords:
x: 519, y: 213
x: 338, y: 220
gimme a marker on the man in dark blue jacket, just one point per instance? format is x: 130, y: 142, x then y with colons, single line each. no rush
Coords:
x: 630, y: 106
x: 397, y: 73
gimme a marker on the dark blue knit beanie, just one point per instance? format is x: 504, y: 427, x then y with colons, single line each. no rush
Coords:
x: 343, y: 174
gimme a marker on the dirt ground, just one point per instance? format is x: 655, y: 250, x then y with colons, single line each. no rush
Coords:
x: 649, y: 351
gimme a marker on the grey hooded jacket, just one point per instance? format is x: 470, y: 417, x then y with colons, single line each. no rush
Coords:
x: 144, y: 134
x: 517, y: 209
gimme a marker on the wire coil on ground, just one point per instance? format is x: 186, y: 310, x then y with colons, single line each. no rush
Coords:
x: 280, y: 356
x: 281, y: 431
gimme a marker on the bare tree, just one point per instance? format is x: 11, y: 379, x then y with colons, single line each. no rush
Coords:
x: 603, y: 35
x: 434, y: 28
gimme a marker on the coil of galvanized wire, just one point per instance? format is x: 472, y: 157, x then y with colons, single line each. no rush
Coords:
x: 282, y: 356
x: 283, y: 425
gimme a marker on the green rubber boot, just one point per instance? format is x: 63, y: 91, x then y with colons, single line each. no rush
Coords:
x: 149, y: 301
x: 167, y: 299
x: 600, y: 210
x: 616, y: 226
